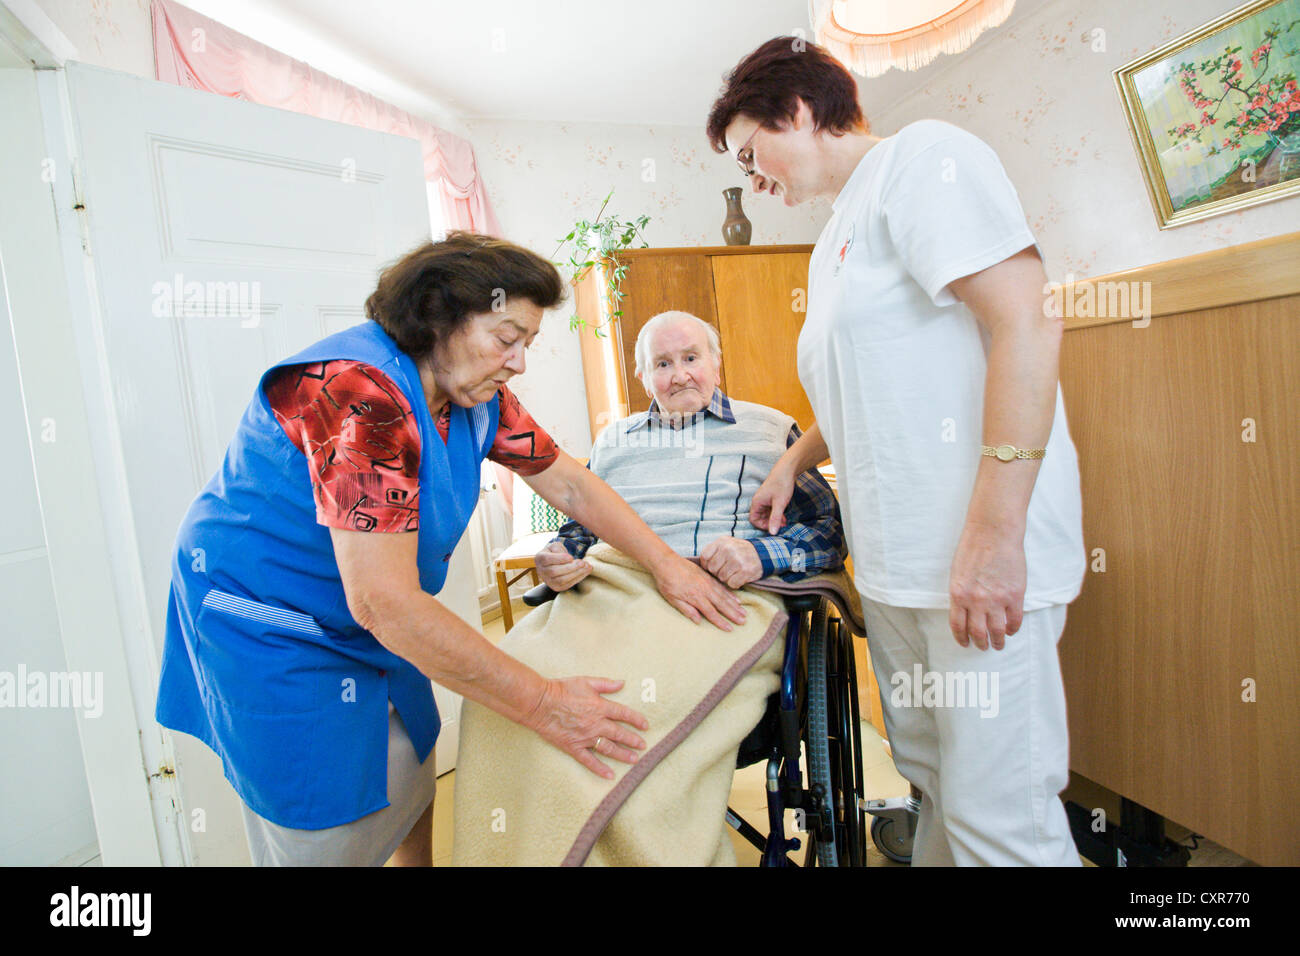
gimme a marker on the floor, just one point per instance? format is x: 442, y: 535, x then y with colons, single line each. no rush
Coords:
x: 749, y: 796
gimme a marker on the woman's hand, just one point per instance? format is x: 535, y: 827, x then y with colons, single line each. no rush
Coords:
x: 733, y: 561
x: 694, y: 592
x: 573, y: 717
x: 767, y: 509
x: 558, y: 569
x: 986, y: 586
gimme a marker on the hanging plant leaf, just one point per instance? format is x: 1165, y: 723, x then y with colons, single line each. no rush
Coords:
x: 601, y: 239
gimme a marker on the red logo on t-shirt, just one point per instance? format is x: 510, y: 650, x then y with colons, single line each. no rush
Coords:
x: 844, y: 249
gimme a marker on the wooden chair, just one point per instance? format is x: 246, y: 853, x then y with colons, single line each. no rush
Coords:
x: 535, y: 524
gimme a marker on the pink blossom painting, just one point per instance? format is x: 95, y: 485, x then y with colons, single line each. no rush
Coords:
x: 1216, y: 113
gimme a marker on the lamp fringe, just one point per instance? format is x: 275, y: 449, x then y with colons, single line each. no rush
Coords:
x: 872, y: 55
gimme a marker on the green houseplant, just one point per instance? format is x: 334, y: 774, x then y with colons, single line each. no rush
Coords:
x: 597, y: 240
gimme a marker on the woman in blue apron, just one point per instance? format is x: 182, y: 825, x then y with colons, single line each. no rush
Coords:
x: 302, y: 628
x: 930, y: 363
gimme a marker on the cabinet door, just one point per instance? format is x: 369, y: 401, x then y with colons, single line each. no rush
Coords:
x: 655, y: 284
x: 757, y: 297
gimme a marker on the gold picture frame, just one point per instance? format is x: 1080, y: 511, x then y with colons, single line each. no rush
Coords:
x: 1215, y: 113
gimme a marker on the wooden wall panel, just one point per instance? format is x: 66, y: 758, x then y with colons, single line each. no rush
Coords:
x: 757, y: 297
x: 1201, y: 533
x: 1263, y: 269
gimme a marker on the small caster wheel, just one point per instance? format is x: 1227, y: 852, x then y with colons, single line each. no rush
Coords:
x: 891, y: 840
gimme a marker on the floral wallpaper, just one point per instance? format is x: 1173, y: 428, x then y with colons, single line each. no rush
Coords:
x: 115, y: 34
x: 1041, y: 93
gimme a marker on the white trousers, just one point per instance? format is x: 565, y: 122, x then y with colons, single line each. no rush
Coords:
x: 982, y: 734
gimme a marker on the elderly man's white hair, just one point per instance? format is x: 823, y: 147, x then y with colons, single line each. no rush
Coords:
x: 671, y: 318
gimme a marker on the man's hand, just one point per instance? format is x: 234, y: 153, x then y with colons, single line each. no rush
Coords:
x: 558, y: 569
x: 688, y: 588
x: 987, y: 587
x: 733, y: 561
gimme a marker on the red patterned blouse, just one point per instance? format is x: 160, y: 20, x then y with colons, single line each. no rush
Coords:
x: 360, y: 435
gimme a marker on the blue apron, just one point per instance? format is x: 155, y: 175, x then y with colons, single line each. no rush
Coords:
x: 263, y: 662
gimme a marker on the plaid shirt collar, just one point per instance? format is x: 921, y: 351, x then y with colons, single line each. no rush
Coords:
x: 718, y: 407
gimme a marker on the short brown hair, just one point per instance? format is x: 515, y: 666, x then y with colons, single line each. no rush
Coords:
x: 433, y: 289
x: 764, y: 85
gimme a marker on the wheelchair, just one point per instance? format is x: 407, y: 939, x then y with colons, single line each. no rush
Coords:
x: 815, y: 712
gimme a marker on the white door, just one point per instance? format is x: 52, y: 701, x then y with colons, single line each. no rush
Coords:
x: 222, y: 236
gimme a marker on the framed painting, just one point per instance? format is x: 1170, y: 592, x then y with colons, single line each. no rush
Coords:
x: 1215, y: 114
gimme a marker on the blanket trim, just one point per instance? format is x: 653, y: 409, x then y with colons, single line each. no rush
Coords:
x: 605, y: 810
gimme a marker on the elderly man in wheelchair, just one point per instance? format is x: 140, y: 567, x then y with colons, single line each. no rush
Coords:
x: 689, y: 467
x: 678, y: 360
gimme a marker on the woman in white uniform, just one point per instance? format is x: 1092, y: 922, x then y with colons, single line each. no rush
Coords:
x: 930, y: 362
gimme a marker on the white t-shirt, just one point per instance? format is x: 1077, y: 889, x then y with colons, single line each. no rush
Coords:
x: 894, y: 365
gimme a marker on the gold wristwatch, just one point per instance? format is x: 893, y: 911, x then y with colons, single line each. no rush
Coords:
x: 1010, y: 452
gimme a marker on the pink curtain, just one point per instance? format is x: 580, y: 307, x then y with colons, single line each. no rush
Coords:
x: 192, y: 50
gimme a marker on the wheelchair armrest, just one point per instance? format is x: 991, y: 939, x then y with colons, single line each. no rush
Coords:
x: 799, y: 603
x: 536, y: 597
x: 796, y: 603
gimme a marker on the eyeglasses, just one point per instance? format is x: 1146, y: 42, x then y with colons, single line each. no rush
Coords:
x: 746, y: 163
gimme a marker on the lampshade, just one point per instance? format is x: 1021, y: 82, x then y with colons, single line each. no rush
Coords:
x: 870, y: 36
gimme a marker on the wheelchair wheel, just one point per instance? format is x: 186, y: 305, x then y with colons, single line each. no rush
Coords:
x: 818, y: 740
x: 845, y: 747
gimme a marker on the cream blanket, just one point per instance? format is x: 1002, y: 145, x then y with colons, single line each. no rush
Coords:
x: 521, y: 802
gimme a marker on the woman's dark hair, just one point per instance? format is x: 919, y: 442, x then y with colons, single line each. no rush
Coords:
x: 430, y: 292
x: 764, y: 85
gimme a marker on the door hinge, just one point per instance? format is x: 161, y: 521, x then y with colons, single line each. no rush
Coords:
x: 79, y: 208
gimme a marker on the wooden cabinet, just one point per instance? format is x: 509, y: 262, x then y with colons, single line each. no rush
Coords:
x: 755, y: 296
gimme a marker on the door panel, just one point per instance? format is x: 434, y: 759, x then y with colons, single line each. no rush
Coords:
x: 222, y: 236
x: 49, y: 816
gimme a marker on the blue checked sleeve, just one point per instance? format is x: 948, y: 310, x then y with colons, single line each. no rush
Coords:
x: 812, y: 541
x: 577, y: 540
